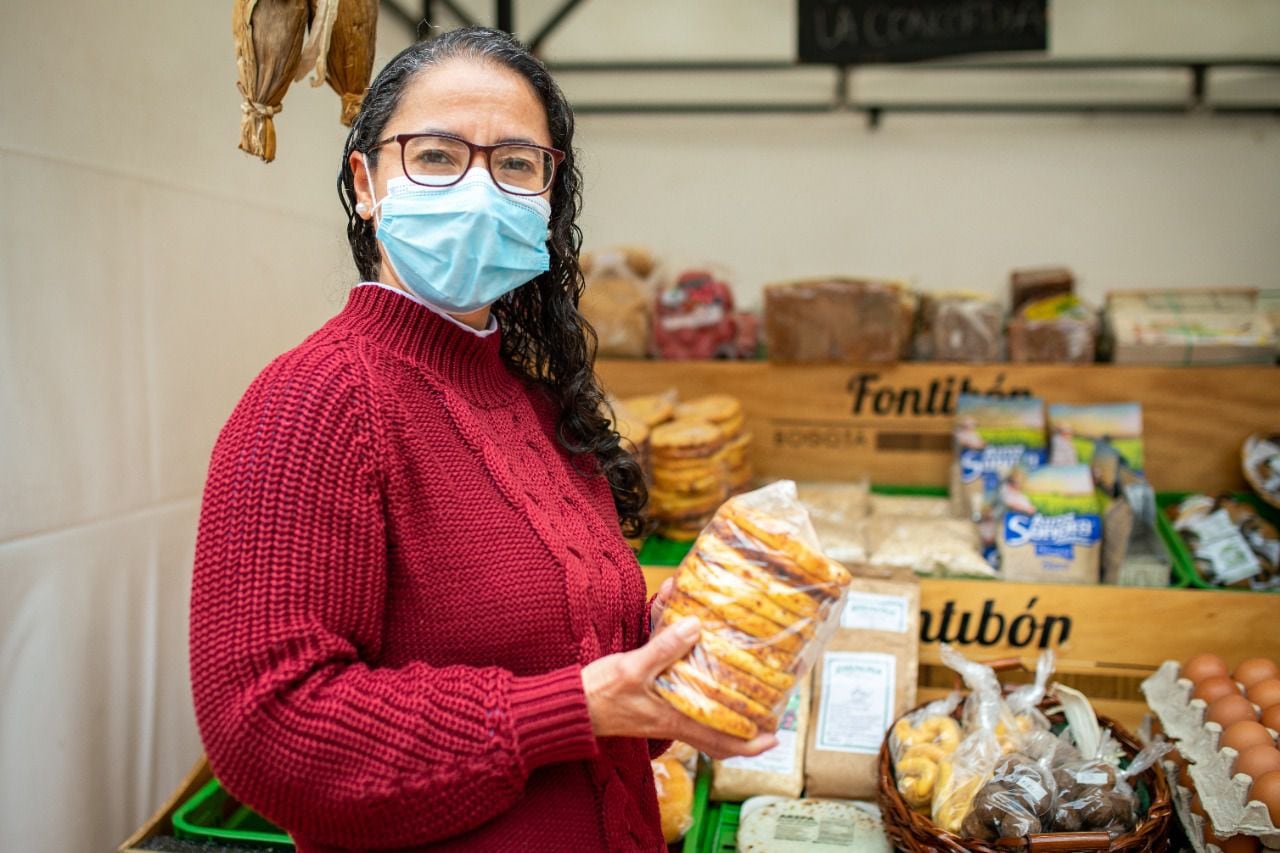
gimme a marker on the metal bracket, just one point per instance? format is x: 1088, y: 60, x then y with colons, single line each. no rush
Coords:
x: 503, y: 13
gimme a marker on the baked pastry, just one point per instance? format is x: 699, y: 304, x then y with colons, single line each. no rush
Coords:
x: 653, y: 409
x: 760, y: 592
x: 674, y: 784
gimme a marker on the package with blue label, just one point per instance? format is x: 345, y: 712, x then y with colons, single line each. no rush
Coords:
x: 993, y: 436
x: 1051, y: 530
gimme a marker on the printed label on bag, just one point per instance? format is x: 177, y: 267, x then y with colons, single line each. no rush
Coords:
x: 875, y: 612
x: 782, y: 758
x: 856, y: 706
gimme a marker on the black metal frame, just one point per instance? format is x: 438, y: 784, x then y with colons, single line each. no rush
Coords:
x: 841, y: 102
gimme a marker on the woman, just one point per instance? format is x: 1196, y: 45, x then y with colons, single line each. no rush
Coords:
x: 414, y: 620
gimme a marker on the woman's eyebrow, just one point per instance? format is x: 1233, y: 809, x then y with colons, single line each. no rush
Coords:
x: 506, y: 140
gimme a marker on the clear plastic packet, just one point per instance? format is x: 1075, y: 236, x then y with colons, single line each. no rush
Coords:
x: 838, y: 512
x: 767, y: 598
x: 919, y: 743
x: 970, y: 767
x: 674, y: 784
x: 943, y: 547
x: 1017, y: 800
x: 617, y: 300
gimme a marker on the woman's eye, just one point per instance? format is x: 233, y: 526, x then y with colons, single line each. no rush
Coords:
x: 516, y: 164
x: 435, y: 156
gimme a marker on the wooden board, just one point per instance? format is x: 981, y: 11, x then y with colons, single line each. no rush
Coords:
x: 1106, y: 639
x: 893, y: 422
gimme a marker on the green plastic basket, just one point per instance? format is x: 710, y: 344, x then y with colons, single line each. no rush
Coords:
x: 1184, y: 563
x: 214, y: 815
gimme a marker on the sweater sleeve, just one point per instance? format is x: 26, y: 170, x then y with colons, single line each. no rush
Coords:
x: 286, y: 614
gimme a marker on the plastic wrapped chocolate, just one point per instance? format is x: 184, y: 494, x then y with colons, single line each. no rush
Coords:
x: 837, y: 320
x: 1032, y: 285
x: 959, y: 327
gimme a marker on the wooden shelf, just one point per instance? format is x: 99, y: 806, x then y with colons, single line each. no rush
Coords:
x: 893, y: 422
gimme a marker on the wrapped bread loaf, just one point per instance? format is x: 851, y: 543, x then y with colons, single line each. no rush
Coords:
x: 837, y: 320
x: 763, y: 591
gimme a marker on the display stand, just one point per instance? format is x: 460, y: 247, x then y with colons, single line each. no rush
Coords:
x: 892, y: 423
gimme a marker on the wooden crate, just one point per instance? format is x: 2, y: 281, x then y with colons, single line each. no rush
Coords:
x: 161, y: 823
x: 1107, y: 639
x: 893, y: 422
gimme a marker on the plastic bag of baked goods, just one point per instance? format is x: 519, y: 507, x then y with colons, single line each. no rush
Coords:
x: 673, y: 779
x: 964, y: 773
x: 767, y: 598
x: 919, y: 743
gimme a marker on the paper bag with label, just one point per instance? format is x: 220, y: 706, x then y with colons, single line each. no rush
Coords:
x: 778, y: 772
x: 864, y: 680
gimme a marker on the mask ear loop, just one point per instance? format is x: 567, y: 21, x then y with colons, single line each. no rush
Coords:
x: 377, y: 202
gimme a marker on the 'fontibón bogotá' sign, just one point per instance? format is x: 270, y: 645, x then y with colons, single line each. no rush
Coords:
x: 848, y: 32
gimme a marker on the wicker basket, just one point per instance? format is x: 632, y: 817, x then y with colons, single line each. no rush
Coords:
x: 914, y: 832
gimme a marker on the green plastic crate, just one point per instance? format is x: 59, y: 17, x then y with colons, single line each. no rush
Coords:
x: 214, y: 815
x: 1184, y: 563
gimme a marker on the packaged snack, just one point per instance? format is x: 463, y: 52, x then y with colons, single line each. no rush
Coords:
x: 993, y: 436
x: 778, y: 825
x: 778, y: 772
x: 1260, y: 459
x: 959, y: 327
x: 1016, y: 801
x: 618, y: 300
x: 1060, y: 329
x: 918, y: 744
x: 916, y: 506
x: 1075, y: 429
x: 838, y: 512
x: 1032, y: 285
x: 767, y: 598
x: 693, y: 318
x: 674, y: 783
x: 1133, y: 553
x: 1051, y: 530
x: 941, y: 547
x: 836, y: 320
x: 865, y: 679
x: 1093, y: 793
x: 1233, y: 545
x: 1190, y: 326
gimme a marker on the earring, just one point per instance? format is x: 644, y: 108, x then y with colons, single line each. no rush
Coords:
x: 362, y: 208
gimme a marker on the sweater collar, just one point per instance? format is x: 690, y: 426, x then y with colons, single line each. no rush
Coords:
x: 472, y: 364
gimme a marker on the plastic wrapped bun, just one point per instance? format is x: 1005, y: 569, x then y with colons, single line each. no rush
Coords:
x: 674, y: 784
x: 919, y: 743
x: 767, y: 598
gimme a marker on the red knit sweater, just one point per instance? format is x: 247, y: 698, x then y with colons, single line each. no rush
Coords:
x: 399, y: 575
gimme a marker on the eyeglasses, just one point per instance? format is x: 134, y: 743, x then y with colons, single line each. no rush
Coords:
x: 441, y: 160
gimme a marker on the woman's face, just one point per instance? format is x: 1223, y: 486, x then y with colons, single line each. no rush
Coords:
x: 482, y: 102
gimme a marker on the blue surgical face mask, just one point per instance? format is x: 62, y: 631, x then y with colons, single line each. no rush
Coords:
x: 461, y: 248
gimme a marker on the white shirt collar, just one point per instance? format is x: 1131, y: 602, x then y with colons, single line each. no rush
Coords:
x: 479, y: 333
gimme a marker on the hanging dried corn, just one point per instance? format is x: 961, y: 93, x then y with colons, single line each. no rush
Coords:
x: 340, y: 49
x: 268, y: 36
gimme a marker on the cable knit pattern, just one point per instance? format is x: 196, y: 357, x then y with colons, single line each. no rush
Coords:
x: 399, y: 575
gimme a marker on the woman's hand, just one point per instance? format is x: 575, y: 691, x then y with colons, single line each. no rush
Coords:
x: 622, y: 700
x: 660, y: 601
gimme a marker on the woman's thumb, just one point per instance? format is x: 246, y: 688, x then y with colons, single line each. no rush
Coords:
x: 670, y: 645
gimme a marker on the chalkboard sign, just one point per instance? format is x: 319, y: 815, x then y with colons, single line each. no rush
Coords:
x: 847, y: 32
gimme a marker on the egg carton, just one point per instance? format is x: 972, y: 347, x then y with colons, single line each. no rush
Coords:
x: 1223, y: 792
x: 1193, y: 825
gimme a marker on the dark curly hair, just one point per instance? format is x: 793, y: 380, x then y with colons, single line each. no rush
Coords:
x: 544, y: 338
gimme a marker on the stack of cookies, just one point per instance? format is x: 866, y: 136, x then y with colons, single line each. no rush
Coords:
x: 725, y: 413
x: 688, y: 484
x: 761, y: 594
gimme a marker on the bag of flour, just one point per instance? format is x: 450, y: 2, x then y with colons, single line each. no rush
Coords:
x: 780, y: 771
x: 863, y: 681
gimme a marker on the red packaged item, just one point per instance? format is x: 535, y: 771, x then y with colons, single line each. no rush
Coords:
x: 694, y: 319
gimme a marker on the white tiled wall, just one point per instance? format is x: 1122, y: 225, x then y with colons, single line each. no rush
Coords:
x: 148, y: 270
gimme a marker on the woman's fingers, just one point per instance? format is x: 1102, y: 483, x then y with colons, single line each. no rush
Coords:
x: 660, y: 602
x: 667, y: 647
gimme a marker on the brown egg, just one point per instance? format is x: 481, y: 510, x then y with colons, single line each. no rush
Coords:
x: 1229, y: 709
x: 1234, y: 844
x: 1253, y: 670
x: 1258, y: 761
x: 1214, y: 687
x: 1266, y: 789
x: 1245, y: 734
x: 1271, y: 717
x: 1202, y: 666
x: 1264, y: 693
